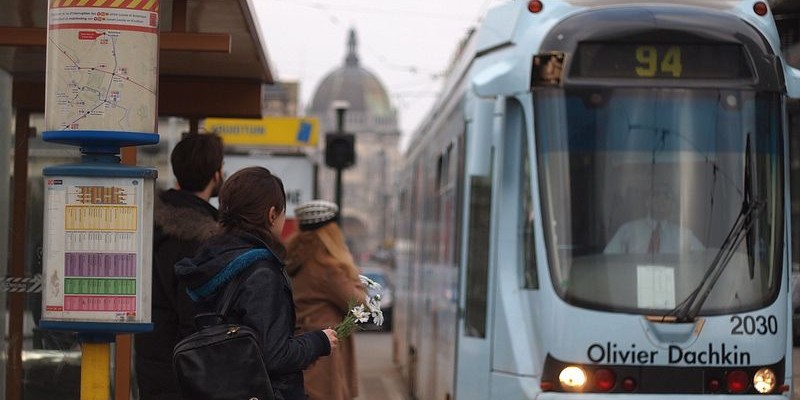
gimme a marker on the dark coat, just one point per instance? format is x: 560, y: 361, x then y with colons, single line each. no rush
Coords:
x: 182, y: 221
x: 264, y: 303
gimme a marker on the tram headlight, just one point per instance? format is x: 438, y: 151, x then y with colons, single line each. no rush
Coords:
x: 764, y: 380
x: 572, y: 378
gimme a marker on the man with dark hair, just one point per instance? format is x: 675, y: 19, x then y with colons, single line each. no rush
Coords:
x: 183, y: 219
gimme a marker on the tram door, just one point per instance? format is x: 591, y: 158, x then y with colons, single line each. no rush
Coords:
x: 475, y: 333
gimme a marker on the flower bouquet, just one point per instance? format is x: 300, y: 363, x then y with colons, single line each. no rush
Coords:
x: 361, y: 313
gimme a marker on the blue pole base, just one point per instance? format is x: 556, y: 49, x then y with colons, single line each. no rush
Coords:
x: 96, y: 328
x: 100, y: 142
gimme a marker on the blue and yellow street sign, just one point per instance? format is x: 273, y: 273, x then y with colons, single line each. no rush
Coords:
x: 270, y: 131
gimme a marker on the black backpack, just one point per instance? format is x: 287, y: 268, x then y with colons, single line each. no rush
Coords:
x: 223, y: 361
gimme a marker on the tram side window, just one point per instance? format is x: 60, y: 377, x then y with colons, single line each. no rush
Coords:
x: 442, y: 211
x: 478, y: 255
x: 794, y: 174
x: 458, y: 170
x: 527, y: 242
x: 446, y: 207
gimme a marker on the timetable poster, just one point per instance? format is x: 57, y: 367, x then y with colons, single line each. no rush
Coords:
x: 97, y: 249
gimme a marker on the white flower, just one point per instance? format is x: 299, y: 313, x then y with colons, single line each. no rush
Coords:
x: 358, y: 310
x: 370, y: 283
x: 377, y: 317
x: 360, y: 314
x: 374, y: 303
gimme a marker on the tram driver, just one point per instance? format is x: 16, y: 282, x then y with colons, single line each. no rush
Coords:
x: 659, y: 232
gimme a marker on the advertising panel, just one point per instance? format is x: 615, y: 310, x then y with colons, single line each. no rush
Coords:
x: 296, y: 172
x: 270, y: 131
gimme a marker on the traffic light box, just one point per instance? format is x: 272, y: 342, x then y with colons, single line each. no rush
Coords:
x: 340, y: 151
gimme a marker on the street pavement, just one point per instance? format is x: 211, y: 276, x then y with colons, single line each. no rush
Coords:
x: 796, y: 373
x: 378, y: 377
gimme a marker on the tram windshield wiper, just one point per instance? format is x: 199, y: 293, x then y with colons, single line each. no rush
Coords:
x: 688, y: 309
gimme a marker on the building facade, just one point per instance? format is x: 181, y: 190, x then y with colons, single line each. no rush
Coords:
x: 367, y: 186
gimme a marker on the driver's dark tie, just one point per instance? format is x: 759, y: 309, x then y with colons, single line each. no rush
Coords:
x: 655, y: 240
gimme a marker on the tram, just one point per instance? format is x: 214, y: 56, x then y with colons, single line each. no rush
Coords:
x: 597, y: 207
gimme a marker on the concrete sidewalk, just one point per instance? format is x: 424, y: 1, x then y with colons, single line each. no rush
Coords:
x: 378, y: 377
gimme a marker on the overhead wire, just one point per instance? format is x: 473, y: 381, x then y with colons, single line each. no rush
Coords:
x: 373, y: 10
x: 334, y: 19
x: 403, y: 98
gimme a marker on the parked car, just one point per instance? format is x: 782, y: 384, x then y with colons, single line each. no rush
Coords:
x: 380, y: 275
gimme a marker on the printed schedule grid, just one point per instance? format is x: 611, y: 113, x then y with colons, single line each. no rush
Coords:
x: 99, y: 253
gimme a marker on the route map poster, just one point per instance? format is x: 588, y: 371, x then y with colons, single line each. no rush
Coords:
x: 102, y: 65
x: 96, y: 267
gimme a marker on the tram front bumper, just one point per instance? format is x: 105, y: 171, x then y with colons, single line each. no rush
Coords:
x: 630, y: 396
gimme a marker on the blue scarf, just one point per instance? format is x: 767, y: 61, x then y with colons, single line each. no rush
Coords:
x: 226, y: 274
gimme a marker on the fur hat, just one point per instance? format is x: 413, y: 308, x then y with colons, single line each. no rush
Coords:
x: 315, y: 213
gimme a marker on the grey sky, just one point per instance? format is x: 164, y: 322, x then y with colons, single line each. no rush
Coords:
x: 407, y: 44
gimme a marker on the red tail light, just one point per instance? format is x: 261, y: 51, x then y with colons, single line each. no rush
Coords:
x: 738, y: 381
x: 604, y: 380
x: 535, y: 6
x: 760, y: 8
x: 628, y: 384
x: 714, y: 385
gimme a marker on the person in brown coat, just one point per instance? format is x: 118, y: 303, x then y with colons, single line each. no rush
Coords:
x: 325, y: 281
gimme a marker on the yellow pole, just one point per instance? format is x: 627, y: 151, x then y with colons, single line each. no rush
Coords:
x: 95, y: 371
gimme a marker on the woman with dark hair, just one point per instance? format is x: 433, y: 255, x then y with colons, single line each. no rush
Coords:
x: 252, y: 206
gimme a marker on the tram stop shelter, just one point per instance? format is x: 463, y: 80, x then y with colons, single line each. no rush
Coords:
x: 212, y: 62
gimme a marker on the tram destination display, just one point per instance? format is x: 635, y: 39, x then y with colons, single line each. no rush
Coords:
x: 715, y: 61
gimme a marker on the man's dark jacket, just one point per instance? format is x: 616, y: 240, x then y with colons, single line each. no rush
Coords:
x: 182, y: 221
x: 264, y: 303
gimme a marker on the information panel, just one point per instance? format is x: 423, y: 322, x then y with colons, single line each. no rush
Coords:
x: 97, y: 257
x: 102, y: 65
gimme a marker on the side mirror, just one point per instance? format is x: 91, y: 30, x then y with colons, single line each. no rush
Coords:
x: 479, y: 139
x: 793, y: 82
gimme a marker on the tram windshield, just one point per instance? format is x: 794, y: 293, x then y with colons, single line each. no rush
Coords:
x: 651, y: 196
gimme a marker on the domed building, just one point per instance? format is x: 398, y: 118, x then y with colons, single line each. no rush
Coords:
x: 366, y: 195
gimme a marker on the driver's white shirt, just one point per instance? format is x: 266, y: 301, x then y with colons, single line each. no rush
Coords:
x: 634, y: 237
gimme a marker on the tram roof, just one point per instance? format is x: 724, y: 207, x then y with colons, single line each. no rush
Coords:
x: 778, y: 6
x: 210, y: 49
x: 699, y: 3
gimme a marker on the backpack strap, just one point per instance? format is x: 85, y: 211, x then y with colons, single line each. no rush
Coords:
x: 230, y: 293
x: 235, y: 272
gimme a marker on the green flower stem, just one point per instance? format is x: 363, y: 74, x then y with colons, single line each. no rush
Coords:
x: 349, y: 324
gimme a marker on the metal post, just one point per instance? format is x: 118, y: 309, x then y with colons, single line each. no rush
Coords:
x: 123, y: 349
x: 95, y: 370
x: 5, y: 200
x: 341, y: 108
x: 16, y: 301
x: 339, y: 191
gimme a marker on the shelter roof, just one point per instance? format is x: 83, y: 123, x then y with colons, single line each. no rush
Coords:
x: 213, y: 59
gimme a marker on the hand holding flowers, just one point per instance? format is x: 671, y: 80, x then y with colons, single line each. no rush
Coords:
x: 362, y: 313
